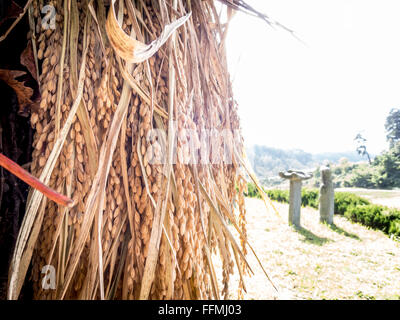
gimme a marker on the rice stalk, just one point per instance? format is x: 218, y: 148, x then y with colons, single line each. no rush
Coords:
x: 141, y: 229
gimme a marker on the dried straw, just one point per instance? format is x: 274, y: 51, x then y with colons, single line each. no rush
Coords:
x: 140, y: 230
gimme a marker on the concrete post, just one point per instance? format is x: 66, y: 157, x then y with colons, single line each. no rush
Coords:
x: 327, y: 196
x: 295, y: 202
x: 295, y: 177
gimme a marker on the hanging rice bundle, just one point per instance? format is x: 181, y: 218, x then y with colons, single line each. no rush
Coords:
x: 138, y: 126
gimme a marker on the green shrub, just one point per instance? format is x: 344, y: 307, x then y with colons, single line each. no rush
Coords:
x: 278, y: 195
x: 252, y: 191
x: 343, y: 200
x: 376, y: 217
x: 310, y: 198
x: 394, y: 227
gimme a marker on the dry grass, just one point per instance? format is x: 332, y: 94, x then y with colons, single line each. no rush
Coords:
x: 141, y: 229
x: 347, y: 261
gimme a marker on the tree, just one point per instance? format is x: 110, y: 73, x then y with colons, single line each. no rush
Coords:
x: 392, y: 127
x: 361, y: 147
x: 362, y: 175
x: 388, y: 168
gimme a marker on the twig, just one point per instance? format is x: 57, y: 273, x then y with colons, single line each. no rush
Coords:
x: 25, y: 176
x: 16, y: 21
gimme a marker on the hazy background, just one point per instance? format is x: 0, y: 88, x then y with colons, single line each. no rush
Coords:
x: 316, y: 96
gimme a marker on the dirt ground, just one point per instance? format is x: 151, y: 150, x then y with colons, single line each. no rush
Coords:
x: 346, y: 261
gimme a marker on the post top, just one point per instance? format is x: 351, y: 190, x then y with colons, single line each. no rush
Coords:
x: 295, y: 175
x: 325, y: 167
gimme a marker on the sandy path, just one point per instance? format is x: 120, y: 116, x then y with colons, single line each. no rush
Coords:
x: 317, y: 262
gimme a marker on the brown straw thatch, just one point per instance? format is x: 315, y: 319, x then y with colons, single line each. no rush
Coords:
x: 128, y: 89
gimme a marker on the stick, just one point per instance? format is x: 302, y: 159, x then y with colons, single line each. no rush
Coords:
x: 16, y: 21
x: 25, y: 176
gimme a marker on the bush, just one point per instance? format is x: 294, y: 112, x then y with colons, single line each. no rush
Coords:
x: 344, y: 200
x: 394, y: 227
x: 376, y: 217
x: 310, y: 198
x: 278, y: 195
x: 252, y: 191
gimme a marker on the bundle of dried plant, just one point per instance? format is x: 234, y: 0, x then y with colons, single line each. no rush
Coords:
x: 138, y: 125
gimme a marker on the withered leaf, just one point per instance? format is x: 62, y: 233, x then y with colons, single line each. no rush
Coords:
x: 23, y: 93
x: 27, y: 59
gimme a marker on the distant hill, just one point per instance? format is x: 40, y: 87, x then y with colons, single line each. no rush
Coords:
x: 267, y: 161
x: 334, y: 157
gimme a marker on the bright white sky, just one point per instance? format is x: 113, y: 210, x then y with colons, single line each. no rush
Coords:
x: 317, y: 96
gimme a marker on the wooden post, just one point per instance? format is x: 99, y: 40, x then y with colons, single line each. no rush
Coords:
x: 326, y: 196
x: 296, y: 178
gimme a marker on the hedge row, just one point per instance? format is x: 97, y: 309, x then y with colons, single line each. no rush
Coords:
x: 376, y: 217
x: 345, y: 200
x: 309, y: 198
x: 353, y: 207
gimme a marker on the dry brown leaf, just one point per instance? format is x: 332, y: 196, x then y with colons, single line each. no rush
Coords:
x: 23, y: 93
x: 27, y: 59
